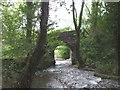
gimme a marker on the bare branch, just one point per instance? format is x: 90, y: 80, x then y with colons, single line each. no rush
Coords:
x: 88, y: 10
x: 75, y: 14
x: 74, y: 17
x: 80, y: 16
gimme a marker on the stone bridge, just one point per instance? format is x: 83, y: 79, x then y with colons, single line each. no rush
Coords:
x: 69, y: 38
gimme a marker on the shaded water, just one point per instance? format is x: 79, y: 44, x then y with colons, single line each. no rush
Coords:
x: 64, y: 75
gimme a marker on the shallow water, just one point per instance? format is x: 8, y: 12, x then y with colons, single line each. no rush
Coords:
x: 64, y: 75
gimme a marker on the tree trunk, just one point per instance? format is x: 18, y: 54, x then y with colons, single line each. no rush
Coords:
x: 115, y: 22
x: 117, y: 33
x: 119, y: 41
x: 39, y: 51
x: 78, y: 31
x: 53, y: 57
x: 78, y: 56
x: 73, y: 57
x: 29, y: 15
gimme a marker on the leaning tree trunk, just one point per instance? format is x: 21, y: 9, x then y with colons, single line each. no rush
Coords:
x: 39, y: 51
x: 78, y: 31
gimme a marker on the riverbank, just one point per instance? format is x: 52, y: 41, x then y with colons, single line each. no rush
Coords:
x: 102, y: 75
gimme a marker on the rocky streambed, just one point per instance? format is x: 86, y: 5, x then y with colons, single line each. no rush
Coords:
x: 64, y: 75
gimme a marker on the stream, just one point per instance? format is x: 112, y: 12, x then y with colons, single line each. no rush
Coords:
x: 64, y: 75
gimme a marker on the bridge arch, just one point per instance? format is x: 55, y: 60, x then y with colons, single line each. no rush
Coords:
x: 61, y: 38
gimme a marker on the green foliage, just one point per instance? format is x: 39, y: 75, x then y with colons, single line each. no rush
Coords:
x: 15, y: 43
x: 52, y: 39
x: 14, y: 37
x: 11, y: 69
x: 62, y: 52
x: 105, y: 67
x: 98, y: 48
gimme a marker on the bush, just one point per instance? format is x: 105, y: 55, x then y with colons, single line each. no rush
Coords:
x: 99, y: 54
x: 11, y: 70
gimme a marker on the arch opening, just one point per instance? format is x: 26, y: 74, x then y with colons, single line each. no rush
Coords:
x: 62, y: 55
